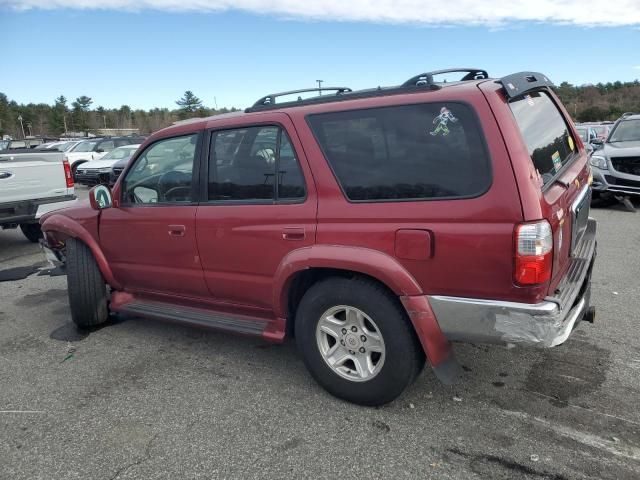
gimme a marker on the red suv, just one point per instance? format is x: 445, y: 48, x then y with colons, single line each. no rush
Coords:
x: 375, y: 227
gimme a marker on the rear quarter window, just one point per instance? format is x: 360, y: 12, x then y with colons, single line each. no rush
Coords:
x: 410, y: 152
x: 545, y: 133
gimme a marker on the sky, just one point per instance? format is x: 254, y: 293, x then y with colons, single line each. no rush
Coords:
x: 146, y: 53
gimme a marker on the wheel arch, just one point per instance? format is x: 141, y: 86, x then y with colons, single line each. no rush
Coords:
x: 303, y: 267
x: 319, y: 260
x: 58, y: 228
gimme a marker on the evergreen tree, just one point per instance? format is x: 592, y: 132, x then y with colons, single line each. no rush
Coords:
x: 57, y: 115
x: 189, y: 104
x: 80, y: 109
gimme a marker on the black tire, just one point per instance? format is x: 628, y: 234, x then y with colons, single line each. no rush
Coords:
x: 404, y: 356
x: 87, y: 289
x: 32, y: 231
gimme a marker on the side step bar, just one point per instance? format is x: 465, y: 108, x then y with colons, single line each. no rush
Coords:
x: 194, y: 316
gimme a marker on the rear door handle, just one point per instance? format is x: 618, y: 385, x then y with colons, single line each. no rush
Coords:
x: 177, y: 230
x: 293, y: 233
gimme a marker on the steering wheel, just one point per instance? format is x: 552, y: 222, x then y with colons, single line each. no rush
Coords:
x: 170, y: 183
x: 173, y: 190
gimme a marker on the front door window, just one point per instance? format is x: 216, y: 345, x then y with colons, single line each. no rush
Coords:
x: 163, y: 173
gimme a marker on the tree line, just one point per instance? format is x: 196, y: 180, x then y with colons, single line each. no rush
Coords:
x: 603, y: 101
x: 80, y: 115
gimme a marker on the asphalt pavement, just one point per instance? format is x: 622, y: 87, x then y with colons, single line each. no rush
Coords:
x: 142, y: 399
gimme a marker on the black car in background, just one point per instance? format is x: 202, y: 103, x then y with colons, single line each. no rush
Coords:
x: 116, y: 170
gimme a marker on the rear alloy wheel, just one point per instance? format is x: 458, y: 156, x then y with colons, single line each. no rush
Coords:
x: 357, y: 341
x: 32, y: 231
x: 87, y: 289
x: 350, y: 343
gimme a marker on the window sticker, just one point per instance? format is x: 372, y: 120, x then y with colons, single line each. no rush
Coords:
x: 557, y: 162
x: 571, y: 145
x: 442, y: 120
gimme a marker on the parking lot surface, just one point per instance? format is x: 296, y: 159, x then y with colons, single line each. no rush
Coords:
x: 147, y: 399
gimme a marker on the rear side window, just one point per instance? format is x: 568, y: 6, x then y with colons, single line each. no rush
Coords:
x: 409, y: 152
x: 254, y: 164
x: 545, y: 133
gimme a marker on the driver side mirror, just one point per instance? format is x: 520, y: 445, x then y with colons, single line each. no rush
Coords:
x: 597, y: 141
x: 100, y: 197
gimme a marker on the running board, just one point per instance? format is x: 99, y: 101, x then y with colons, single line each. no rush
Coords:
x: 195, y: 316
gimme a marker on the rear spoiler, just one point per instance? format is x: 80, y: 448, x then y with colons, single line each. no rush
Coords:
x: 520, y: 83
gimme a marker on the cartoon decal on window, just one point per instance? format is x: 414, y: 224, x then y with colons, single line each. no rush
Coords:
x: 442, y: 120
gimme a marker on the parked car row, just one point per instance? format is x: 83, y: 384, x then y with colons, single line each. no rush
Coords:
x: 106, y: 169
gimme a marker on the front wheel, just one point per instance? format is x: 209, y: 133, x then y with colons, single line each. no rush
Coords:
x: 87, y: 289
x: 357, y: 341
x: 32, y: 231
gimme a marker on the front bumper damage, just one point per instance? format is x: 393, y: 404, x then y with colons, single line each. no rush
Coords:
x: 55, y: 256
x: 544, y: 324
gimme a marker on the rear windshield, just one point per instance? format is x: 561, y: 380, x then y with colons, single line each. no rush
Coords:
x: 545, y: 133
x: 408, y: 152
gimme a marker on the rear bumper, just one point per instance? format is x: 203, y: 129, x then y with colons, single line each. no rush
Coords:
x: 544, y: 324
x: 28, y: 211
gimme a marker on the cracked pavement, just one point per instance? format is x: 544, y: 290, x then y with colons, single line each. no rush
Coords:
x: 142, y: 399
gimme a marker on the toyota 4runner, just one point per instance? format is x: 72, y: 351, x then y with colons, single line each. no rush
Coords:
x: 375, y: 227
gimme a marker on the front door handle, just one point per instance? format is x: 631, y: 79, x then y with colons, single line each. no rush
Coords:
x: 177, y: 230
x: 293, y: 233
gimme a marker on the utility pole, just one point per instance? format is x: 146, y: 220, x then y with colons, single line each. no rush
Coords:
x: 320, y: 86
x: 104, y: 117
x: 21, y: 126
x: 64, y: 120
x: 29, y: 128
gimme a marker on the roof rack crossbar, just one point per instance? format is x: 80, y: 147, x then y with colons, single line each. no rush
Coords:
x: 427, y: 77
x: 271, y: 98
x: 520, y: 83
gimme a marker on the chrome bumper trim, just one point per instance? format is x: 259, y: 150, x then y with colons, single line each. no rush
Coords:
x: 545, y: 324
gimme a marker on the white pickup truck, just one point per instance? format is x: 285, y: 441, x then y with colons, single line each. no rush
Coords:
x: 32, y: 183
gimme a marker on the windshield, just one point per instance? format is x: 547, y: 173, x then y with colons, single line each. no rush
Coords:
x: 583, y: 133
x: 120, y: 153
x: 626, y: 131
x: 84, y: 147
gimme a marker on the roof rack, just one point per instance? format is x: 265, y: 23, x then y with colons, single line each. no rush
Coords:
x: 271, y: 98
x: 414, y: 84
x: 427, y: 78
x: 520, y: 83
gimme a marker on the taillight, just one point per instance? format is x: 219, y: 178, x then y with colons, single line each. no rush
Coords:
x: 67, y: 173
x: 534, y: 253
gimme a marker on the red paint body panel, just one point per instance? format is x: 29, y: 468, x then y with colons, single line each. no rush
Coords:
x: 413, y: 244
x: 436, y: 346
x: 145, y: 256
